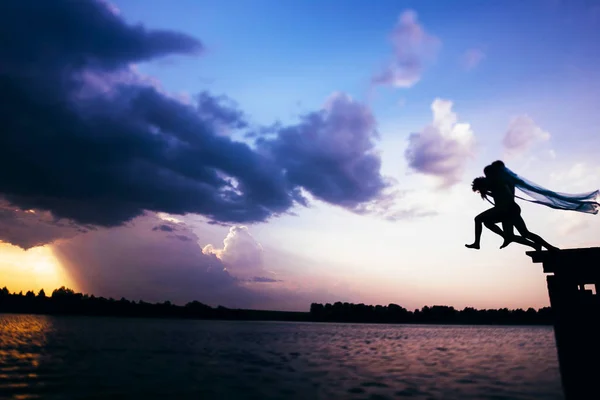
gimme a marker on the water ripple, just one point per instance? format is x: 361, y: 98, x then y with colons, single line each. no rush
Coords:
x: 76, y: 357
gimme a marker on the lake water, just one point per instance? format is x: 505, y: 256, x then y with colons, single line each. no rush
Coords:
x: 87, y: 357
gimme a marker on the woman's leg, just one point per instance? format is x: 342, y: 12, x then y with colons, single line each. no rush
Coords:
x: 489, y: 218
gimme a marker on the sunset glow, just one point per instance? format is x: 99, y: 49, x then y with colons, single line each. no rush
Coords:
x: 269, y: 155
x: 34, y: 269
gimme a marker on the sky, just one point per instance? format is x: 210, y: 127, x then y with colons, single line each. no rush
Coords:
x: 265, y: 154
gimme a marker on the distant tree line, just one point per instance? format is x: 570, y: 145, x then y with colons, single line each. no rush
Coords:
x: 64, y: 301
x: 393, y: 313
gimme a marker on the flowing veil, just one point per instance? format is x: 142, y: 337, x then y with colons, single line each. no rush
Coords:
x: 583, y: 202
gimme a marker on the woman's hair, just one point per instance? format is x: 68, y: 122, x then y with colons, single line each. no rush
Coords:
x: 498, y: 164
x: 480, y: 185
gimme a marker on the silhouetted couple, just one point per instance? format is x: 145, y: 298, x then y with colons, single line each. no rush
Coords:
x: 498, y: 185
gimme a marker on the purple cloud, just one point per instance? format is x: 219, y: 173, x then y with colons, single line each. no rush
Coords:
x: 78, y: 35
x: 221, y: 111
x: 522, y: 134
x: 413, y: 49
x: 331, y: 153
x: 136, y: 262
x: 88, y: 139
x: 30, y: 228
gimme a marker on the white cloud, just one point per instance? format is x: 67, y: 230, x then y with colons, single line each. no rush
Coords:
x: 580, y: 177
x: 443, y: 147
x: 242, y: 255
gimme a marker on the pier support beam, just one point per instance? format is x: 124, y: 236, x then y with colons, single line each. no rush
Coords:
x: 573, y: 278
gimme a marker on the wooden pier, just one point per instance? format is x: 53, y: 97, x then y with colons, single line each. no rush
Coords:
x: 573, y: 278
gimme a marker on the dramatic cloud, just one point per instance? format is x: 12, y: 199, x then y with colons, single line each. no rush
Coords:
x: 443, y: 147
x: 137, y: 262
x: 522, y: 134
x: 242, y: 255
x: 221, y: 111
x: 88, y: 139
x: 472, y: 58
x: 413, y: 49
x: 103, y: 40
x: 30, y: 228
x: 331, y: 153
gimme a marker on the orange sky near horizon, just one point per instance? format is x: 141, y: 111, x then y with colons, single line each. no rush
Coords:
x: 39, y: 268
x: 33, y: 269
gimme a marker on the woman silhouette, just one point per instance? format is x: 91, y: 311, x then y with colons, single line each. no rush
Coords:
x: 506, y: 211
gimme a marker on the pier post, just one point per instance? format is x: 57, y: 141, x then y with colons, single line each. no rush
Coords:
x: 573, y: 279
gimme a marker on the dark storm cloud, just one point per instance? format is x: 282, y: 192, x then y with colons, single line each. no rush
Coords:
x: 76, y: 34
x: 331, y: 153
x: 26, y: 228
x: 164, y: 228
x: 90, y: 140
x: 221, y: 110
x: 123, y: 147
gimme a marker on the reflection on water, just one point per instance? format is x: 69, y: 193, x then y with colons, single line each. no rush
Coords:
x: 22, y: 342
x: 77, y: 357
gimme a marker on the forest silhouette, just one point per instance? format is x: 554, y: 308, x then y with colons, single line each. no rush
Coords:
x: 65, y: 301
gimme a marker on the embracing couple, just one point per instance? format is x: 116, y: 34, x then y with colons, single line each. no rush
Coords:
x: 499, y: 185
